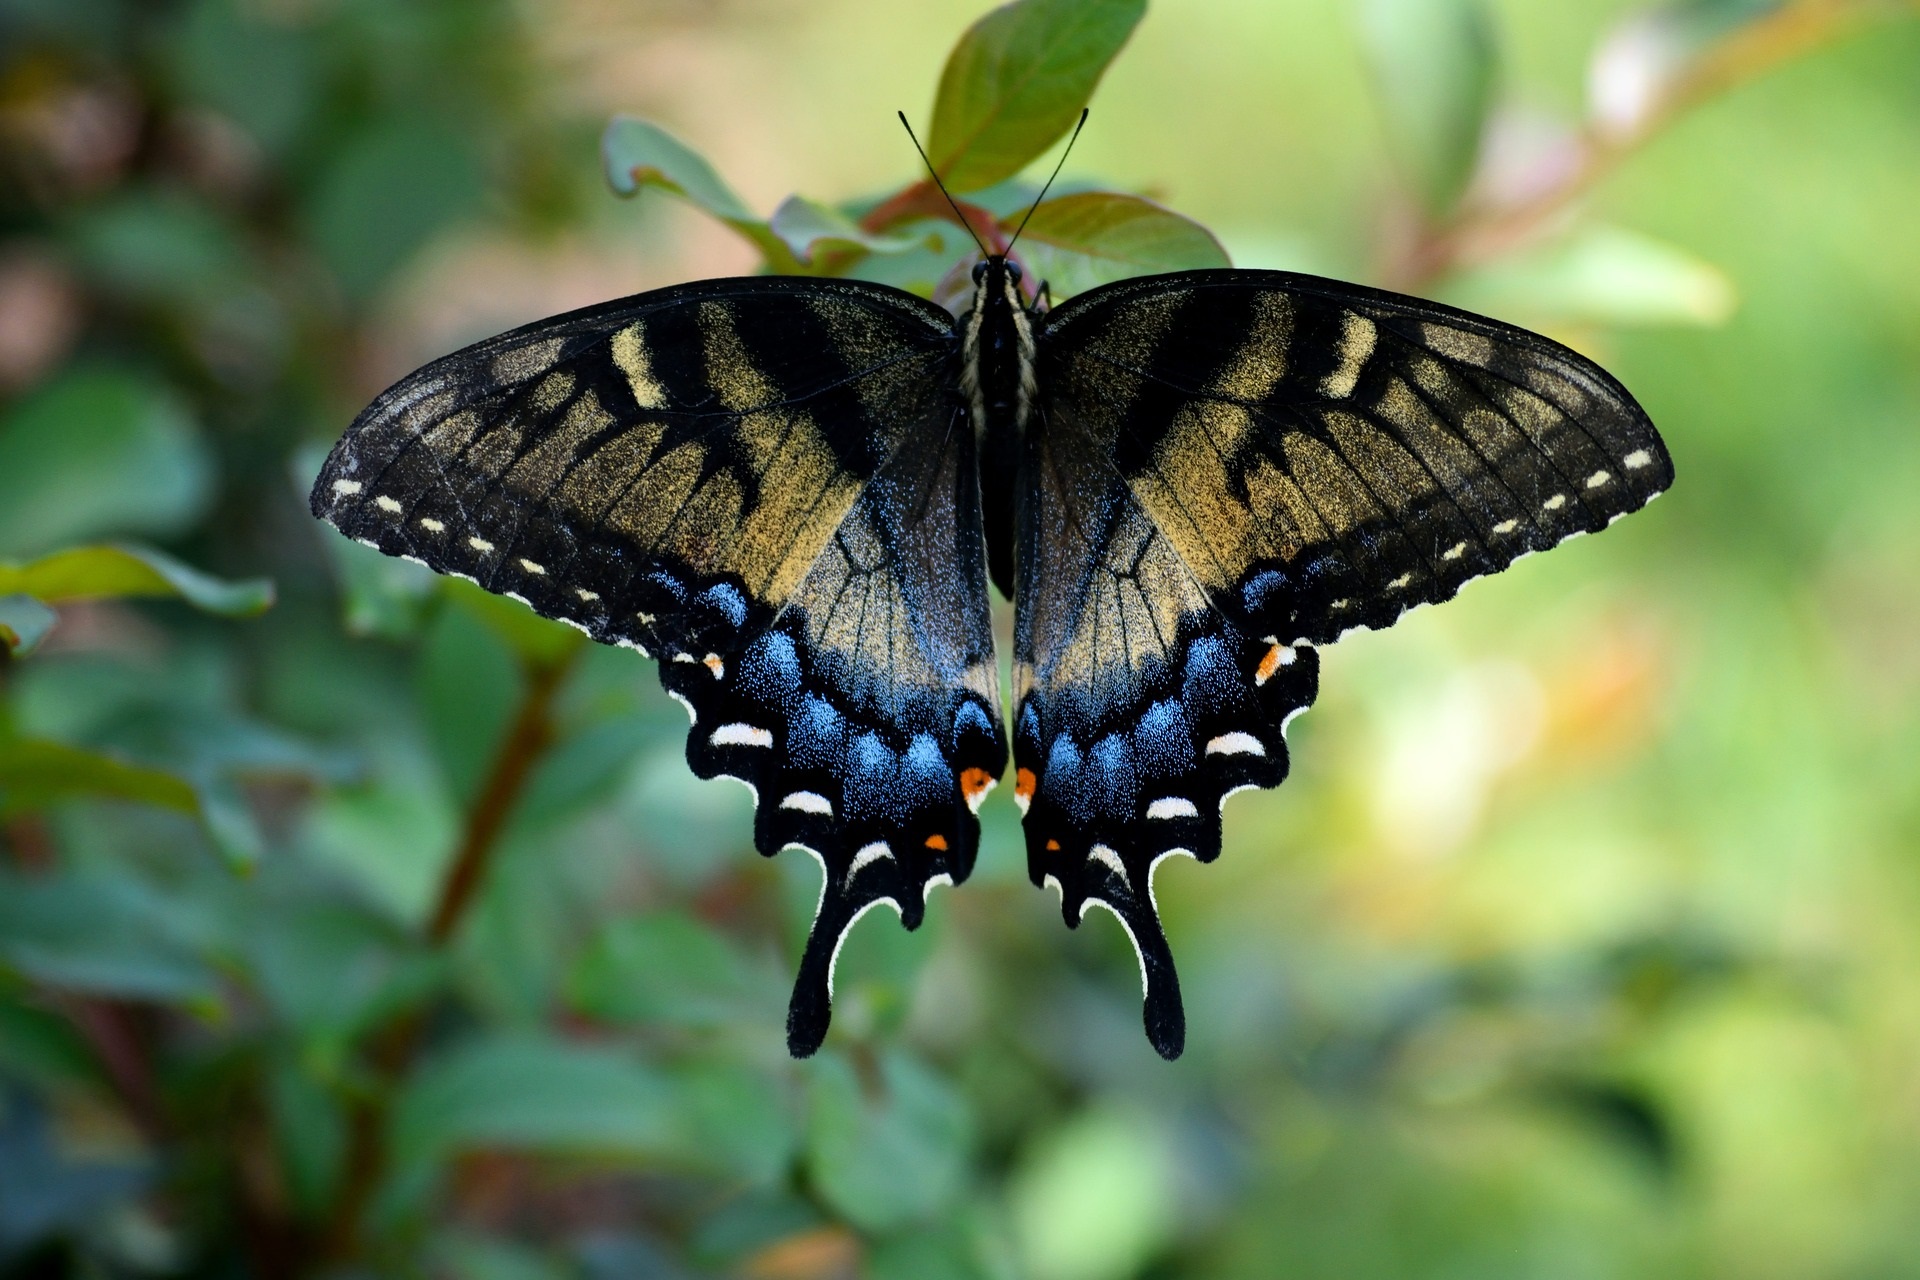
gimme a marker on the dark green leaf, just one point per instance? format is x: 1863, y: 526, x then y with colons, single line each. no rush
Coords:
x: 1017, y: 80
x: 1434, y: 64
x: 944, y: 1252
x: 738, y: 1121
x: 468, y: 685
x: 534, y: 639
x: 666, y: 968
x: 156, y: 248
x: 534, y: 1093
x: 462, y: 1256
x: 96, y: 573
x: 257, y: 71
x: 309, y: 1132
x: 34, y: 774
x: 99, y: 451
x: 386, y: 194
x: 329, y: 967
x: 44, y: 1192
x: 1078, y: 241
x: 887, y: 1151
x: 104, y: 934
x: 24, y: 623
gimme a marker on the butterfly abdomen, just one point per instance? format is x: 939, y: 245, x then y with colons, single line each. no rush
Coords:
x: 997, y: 378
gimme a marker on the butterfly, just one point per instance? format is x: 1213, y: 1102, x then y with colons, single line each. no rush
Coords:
x: 794, y: 493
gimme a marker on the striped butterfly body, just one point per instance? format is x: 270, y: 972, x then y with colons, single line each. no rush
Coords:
x: 794, y: 493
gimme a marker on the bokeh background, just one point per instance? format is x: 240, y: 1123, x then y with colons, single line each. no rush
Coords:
x: 1583, y: 942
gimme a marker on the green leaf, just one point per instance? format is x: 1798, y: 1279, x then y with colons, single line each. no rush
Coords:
x: 1604, y: 276
x: 34, y: 774
x: 637, y: 154
x: 24, y: 623
x: 386, y: 193
x: 459, y: 1255
x: 943, y: 1252
x: 537, y: 640
x: 887, y: 1151
x: 99, y: 451
x: 1434, y: 64
x: 738, y: 1121
x: 666, y: 968
x: 103, y: 572
x: 1017, y: 80
x: 807, y: 228
x: 1097, y: 1198
x: 1075, y: 242
x: 157, y: 247
x: 328, y: 966
x: 261, y: 73
x: 105, y: 934
x: 538, y: 1094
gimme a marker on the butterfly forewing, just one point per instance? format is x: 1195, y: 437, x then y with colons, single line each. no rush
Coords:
x: 1326, y: 456
x: 761, y: 483
x: 1230, y: 467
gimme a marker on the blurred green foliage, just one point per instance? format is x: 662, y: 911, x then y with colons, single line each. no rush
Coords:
x: 384, y: 932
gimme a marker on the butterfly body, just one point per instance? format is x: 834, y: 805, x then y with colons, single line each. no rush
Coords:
x: 998, y: 379
x: 794, y: 494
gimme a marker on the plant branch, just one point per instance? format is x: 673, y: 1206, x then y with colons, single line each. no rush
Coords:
x: 1481, y: 233
x: 394, y: 1046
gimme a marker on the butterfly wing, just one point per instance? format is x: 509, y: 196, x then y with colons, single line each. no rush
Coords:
x: 1232, y: 467
x: 763, y: 483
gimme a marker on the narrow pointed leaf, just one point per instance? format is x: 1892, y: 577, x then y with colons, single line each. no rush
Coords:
x: 34, y: 774
x: 1075, y: 242
x: 105, y: 572
x: 1017, y: 80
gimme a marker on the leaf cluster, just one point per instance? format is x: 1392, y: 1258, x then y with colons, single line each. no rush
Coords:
x: 355, y: 921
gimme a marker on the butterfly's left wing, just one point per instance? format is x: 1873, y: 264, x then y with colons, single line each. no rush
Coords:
x: 766, y: 484
x: 1230, y: 467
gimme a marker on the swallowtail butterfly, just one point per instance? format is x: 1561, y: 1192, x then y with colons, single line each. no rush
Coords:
x: 793, y: 494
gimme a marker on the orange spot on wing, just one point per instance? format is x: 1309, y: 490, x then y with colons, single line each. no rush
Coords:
x: 1053, y: 846
x: 1023, y: 784
x: 937, y: 841
x: 974, y: 785
x: 1268, y: 665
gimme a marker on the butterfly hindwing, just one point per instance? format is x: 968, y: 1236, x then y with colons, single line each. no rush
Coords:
x: 1139, y: 708
x: 1227, y: 468
x: 759, y: 482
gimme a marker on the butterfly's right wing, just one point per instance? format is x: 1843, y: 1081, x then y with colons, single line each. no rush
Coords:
x: 759, y: 482
x: 1232, y: 467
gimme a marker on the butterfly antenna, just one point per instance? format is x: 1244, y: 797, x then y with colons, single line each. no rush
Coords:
x: 1056, y: 173
x: 935, y: 174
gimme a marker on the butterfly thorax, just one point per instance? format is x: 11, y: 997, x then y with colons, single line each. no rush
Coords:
x: 997, y: 379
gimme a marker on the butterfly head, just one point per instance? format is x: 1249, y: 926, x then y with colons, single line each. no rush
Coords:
x: 996, y: 280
